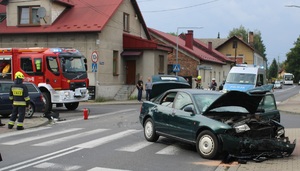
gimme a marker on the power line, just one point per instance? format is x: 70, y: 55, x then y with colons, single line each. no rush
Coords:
x: 174, y: 9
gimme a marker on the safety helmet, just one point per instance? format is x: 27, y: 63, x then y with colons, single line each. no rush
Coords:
x: 19, y: 75
x: 199, y: 77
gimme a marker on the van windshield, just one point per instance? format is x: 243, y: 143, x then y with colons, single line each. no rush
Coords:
x: 240, y: 78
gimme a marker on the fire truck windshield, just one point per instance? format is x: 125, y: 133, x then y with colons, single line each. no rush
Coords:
x: 73, y: 64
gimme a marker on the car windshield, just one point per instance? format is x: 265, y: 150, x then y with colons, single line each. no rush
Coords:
x: 240, y: 78
x: 205, y: 100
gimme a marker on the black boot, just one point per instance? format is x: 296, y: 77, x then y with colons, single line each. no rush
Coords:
x: 20, y: 127
x: 2, y: 124
x: 10, y: 126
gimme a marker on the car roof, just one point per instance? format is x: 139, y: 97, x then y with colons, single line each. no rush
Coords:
x: 9, y: 81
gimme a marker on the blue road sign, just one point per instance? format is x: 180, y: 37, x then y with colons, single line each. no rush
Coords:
x: 94, y: 67
x: 176, y: 67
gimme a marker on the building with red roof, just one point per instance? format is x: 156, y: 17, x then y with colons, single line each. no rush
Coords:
x: 194, y: 57
x: 114, y: 30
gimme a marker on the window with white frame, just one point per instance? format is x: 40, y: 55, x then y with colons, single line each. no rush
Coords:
x: 28, y: 15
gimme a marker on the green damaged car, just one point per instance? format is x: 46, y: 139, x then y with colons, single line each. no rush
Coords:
x: 243, y: 125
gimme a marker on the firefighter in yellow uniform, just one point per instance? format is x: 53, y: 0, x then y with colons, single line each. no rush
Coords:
x: 20, y: 99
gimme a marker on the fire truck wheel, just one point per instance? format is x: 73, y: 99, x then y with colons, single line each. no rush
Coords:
x: 29, y: 111
x: 48, y: 104
x: 72, y: 106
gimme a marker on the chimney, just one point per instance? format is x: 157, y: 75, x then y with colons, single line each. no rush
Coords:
x: 210, y: 45
x: 251, y: 39
x: 189, y: 39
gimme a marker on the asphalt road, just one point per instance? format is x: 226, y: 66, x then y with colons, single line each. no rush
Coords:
x: 110, y: 140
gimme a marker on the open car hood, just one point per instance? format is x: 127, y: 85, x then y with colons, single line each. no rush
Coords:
x: 162, y: 83
x: 160, y: 87
x: 246, y: 100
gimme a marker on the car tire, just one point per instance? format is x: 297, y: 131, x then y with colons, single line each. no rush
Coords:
x: 72, y: 106
x: 149, y: 131
x: 48, y: 104
x: 207, y: 145
x: 29, y: 111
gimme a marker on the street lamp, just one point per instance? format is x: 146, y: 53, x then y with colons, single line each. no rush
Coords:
x: 177, y: 41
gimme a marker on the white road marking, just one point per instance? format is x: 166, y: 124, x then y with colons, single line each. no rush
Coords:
x: 105, y: 169
x: 104, y: 140
x: 80, y: 135
x: 41, y: 159
x: 50, y: 156
x: 97, y: 116
x: 19, y: 141
x: 135, y: 147
x: 56, y: 166
x: 169, y: 150
x: 10, y: 134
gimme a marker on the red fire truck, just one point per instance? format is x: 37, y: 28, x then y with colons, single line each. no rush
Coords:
x: 60, y: 73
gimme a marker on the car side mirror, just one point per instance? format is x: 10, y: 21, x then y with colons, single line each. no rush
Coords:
x: 189, y: 109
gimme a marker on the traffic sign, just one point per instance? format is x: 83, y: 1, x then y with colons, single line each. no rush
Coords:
x: 94, y: 57
x: 94, y: 67
x: 176, y: 67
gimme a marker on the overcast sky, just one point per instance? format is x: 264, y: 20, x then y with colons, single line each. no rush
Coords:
x: 279, y: 25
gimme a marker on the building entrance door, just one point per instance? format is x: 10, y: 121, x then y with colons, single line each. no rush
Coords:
x: 130, y: 72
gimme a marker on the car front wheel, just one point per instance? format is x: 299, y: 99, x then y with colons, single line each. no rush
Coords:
x: 149, y: 131
x: 29, y: 110
x: 207, y: 145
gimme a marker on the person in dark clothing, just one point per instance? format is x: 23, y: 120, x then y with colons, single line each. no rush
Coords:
x: 20, y: 99
x: 213, y: 84
x: 139, y: 87
x: 1, y: 124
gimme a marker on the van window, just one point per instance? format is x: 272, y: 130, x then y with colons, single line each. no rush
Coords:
x: 240, y: 78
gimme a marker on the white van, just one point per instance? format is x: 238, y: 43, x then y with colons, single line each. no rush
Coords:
x: 244, y: 77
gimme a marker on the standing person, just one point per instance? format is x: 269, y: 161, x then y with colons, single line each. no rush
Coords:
x: 1, y: 124
x: 213, y: 84
x: 148, y: 87
x: 198, y: 82
x: 20, y: 99
x: 139, y: 86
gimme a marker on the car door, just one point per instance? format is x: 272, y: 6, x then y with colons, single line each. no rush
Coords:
x: 269, y: 108
x: 162, y: 111
x: 181, y: 123
x: 5, y: 103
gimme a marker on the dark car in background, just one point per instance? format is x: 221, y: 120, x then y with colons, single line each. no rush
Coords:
x: 241, y: 124
x: 37, y: 101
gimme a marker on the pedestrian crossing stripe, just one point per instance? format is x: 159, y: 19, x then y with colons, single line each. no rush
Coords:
x: 67, y: 138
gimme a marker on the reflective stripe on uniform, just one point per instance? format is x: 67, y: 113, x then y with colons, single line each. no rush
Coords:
x: 19, y: 103
x: 11, y: 123
x: 20, y: 124
x: 11, y: 97
x: 27, y: 98
x: 17, y: 91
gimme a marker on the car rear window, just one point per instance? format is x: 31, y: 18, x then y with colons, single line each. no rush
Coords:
x: 5, y: 87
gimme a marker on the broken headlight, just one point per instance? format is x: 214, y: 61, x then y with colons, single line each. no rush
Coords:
x: 242, y: 128
x: 280, y: 132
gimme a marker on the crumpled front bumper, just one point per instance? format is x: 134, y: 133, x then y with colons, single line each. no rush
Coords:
x: 249, y: 148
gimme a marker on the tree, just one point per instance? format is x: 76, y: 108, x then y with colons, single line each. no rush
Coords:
x: 292, y: 63
x: 273, y: 70
x: 257, y: 40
